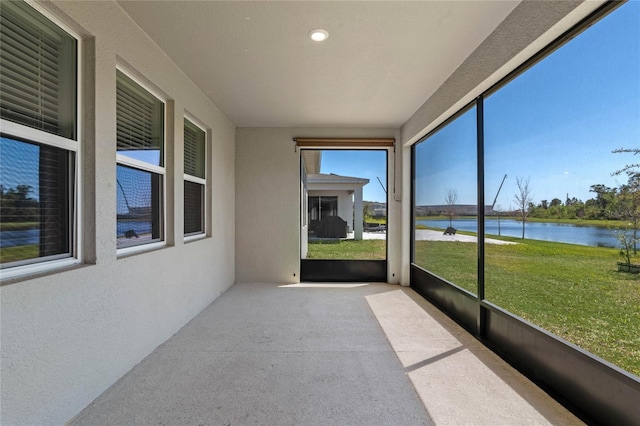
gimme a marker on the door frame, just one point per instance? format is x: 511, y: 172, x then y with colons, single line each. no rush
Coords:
x: 340, y: 270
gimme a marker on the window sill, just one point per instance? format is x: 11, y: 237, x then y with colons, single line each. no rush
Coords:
x: 190, y: 238
x: 143, y: 248
x: 20, y: 273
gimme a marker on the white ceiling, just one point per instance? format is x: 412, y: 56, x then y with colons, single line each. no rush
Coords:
x: 255, y: 61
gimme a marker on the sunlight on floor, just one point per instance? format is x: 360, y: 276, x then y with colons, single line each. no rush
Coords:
x: 446, y: 365
x: 323, y: 285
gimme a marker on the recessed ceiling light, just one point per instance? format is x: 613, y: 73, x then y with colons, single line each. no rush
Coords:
x: 318, y: 35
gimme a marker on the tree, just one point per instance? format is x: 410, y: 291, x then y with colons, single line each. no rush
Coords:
x: 628, y: 168
x: 523, y: 199
x: 605, y: 199
x: 629, y: 194
x: 17, y: 205
x: 451, y: 200
x: 628, y: 206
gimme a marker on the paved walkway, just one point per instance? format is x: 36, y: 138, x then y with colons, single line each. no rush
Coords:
x: 431, y: 235
x: 314, y: 354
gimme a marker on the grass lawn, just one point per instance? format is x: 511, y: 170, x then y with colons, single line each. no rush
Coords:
x: 18, y: 226
x: 13, y: 254
x: 572, y: 291
x: 348, y: 250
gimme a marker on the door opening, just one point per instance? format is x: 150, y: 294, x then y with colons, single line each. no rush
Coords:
x: 343, y: 209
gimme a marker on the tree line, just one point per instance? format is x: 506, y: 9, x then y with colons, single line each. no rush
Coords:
x: 621, y: 203
x: 18, y: 205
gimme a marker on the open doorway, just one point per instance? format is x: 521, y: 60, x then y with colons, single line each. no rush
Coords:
x: 343, y: 215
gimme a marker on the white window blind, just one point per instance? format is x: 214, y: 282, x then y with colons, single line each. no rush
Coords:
x: 140, y: 122
x: 194, y: 184
x: 194, y: 150
x: 38, y: 73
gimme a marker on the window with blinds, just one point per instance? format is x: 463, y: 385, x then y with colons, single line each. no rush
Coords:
x: 38, y: 73
x: 194, y: 149
x: 194, y: 178
x: 140, y: 171
x: 140, y: 124
x: 38, y: 107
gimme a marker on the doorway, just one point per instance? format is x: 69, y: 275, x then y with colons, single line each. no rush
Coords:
x: 343, y: 209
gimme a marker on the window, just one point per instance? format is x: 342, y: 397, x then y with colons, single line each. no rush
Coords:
x: 321, y: 207
x: 445, y: 202
x: 39, y: 145
x: 554, y: 131
x: 194, y: 179
x: 140, y: 168
x: 561, y: 190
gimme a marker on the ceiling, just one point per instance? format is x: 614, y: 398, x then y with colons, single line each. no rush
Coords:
x: 256, y: 62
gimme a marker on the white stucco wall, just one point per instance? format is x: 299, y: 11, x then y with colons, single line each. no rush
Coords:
x: 268, y: 203
x: 67, y: 336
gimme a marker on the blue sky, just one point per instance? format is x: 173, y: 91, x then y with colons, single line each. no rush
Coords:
x: 19, y: 165
x: 363, y: 164
x: 556, y: 124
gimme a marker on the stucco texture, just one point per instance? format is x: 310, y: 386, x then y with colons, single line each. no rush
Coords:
x: 68, y: 335
x: 268, y: 201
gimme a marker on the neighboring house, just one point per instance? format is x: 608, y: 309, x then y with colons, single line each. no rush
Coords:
x: 379, y: 210
x: 335, y: 195
x: 331, y: 194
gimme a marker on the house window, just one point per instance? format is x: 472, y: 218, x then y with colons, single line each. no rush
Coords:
x: 194, y: 178
x: 140, y: 169
x: 445, y: 198
x: 39, y: 145
x: 321, y: 207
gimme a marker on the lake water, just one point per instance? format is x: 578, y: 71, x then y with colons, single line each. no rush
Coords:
x: 558, y: 232
x: 138, y: 227
x: 19, y: 238
x: 32, y: 236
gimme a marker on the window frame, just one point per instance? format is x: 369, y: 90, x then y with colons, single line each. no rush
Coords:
x: 198, y: 180
x: 73, y: 147
x: 479, y: 324
x: 125, y: 161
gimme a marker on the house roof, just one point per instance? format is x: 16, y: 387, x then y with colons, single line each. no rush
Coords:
x: 312, y: 160
x: 333, y: 178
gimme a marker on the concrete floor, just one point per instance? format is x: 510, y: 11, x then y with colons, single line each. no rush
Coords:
x: 314, y: 354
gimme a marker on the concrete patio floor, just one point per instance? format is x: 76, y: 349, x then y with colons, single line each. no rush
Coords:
x: 322, y: 354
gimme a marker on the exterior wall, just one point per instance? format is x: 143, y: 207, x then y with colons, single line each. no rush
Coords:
x: 68, y: 335
x: 268, y: 176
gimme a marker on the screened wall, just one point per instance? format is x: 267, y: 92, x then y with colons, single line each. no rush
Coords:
x: 526, y: 207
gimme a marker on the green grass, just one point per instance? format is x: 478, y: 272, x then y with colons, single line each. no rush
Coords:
x: 572, y: 291
x: 13, y: 254
x: 18, y: 226
x: 348, y: 250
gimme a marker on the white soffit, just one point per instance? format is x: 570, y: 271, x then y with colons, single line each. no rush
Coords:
x: 255, y: 61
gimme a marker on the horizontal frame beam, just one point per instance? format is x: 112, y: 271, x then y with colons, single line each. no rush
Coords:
x: 344, y: 142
